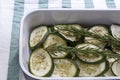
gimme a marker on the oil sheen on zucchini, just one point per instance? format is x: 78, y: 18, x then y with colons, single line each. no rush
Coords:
x: 89, y: 57
x: 37, y: 36
x: 66, y: 34
x: 65, y: 68
x: 100, y: 30
x: 92, y: 70
x: 41, y: 63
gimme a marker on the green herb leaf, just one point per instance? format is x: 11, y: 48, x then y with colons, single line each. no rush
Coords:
x: 83, y: 32
x: 109, y: 54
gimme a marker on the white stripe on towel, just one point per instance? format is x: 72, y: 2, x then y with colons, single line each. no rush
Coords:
x: 54, y: 4
x: 6, y: 15
x: 117, y: 3
x: 77, y: 4
x: 100, y: 4
x: 30, y: 5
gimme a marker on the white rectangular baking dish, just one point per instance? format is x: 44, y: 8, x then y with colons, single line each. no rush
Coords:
x: 48, y: 17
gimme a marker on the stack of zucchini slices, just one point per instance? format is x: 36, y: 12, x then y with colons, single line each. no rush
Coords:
x: 42, y: 63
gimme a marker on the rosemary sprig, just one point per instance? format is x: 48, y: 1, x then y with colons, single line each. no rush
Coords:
x: 74, y: 50
x: 83, y: 32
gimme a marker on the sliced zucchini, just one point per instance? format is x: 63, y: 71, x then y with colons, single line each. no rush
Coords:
x: 111, y: 60
x: 65, y: 68
x: 59, y: 27
x: 59, y: 54
x: 66, y: 34
x: 116, y: 49
x: 41, y: 63
x: 89, y: 57
x: 116, y: 67
x: 37, y: 36
x: 100, y: 30
x: 115, y: 30
x: 54, y: 39
x: 92, y: 70
x: 109, y: 72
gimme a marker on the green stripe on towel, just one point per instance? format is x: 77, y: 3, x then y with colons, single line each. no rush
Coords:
x: 66, y: 3
x: 110, y: 4
x: 43, y: 3
x: 89, y: 4
x: 13, y: 66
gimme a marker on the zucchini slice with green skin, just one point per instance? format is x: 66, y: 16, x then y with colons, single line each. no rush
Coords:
x: 59, y: 54
x: 54, y: 39
x: 100, y: 30
x: 66, y: 34
x: 92, y: 70
x: 109, y: 72
x: 65, y: 68
x: 37, y: 36
x: 116, y: 49
x: 89, y: 57
x: 116, y: 68
x: 41, y: 63
x: 115, y: 30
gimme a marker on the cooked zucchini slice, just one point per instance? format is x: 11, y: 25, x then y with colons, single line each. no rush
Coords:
x: 41, y: 63
x: 89, y: 57
x: 59, y: 54
x: 37, y: 36
x: 92, y: 70
x: 54, y: 39
x: 66, y: 34
x: 109, y: 72
x: 116, y: 49
x: 65, y: 68
x: 116, y: 67
x: 115, y: 30
x: 111, y: 60
x: 100, y: 30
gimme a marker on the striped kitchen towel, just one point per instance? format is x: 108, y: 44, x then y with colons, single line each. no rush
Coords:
x: 11, y: 12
